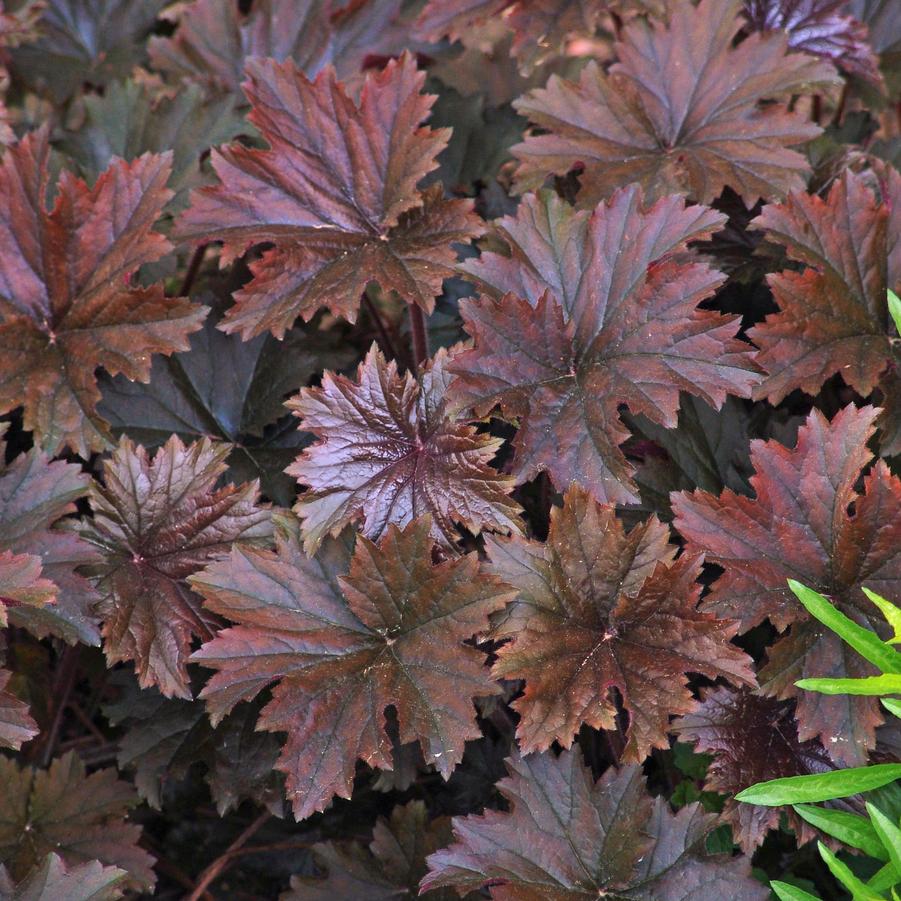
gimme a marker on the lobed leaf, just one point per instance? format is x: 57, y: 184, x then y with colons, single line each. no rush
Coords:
x: 807, y: 523
x: 680, y: 112
x: 342, y: 637
x: 389, y: 451
x: 335, y: 193
x: 567, y: 838
x: 156, y: 521
x: 597, y: 609
x: 66, y: 303
x: 603, y: 313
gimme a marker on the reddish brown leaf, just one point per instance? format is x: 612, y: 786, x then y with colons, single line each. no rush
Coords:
x: 16, y: 726
x: 51, y: 880
x: 342, y: 648
x: 752, y: 739
x: 62, y: 810
x: 35, y: 493
x: 388, y: 452
x: 390, y: 868
x: 21, y: 583
x: 541, y: 28
x: 156, y: 521
x: 568, y: 838
x: 680, y: 111
x: 600, y: 608
x: 833, y: 314
x: 808, y: 523
x: 214, y: 40
x: 821, y: 28
x: 335, y: 193
x: 618, y: 324
x: 66, y: 304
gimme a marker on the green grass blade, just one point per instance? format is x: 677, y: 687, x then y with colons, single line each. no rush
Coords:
x: 886, y: 684
x: 865, y: 642
x: 786, y: 892
x: 890, y: 611
x: 820, y: 786
x: 860, y: 891
x: 850, y: 828
x: 889, y: 834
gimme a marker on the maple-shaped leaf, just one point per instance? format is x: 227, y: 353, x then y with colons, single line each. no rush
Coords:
x: 52, y: 880
x: 155, y: 522
x: 213, y: 41
x: 680, y: 111
x: 600, y: 608
x: 230, y: 390
x: 21, y: 583
x: 34, y: 494
x: 569, y: 838
x: 833, y: 315
x: 16, y: 725
x: 130, y: 120
x: 391, y: 867
x: 63, y: 810
x: 164, y: 737
x: 66, y: 303
x: 603, y: 313
x: 821, y: 28
x: 388, y: 451
x: 541, y: 28
x: 752, y: 739
x: 807, y: 522
x: 84, y: 41
x: 335, y: 193
x: 345, y: 637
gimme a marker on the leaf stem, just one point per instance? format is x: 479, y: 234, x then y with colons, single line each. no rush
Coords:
x: 212, y: 872
x: 381, y: 328
x: 62, y: 689
x: 420, y: 336
x: 193, y: 269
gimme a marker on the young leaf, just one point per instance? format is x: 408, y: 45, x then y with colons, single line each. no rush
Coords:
x: 832, y: 315
x: 752, y: 739
x: 343, y: 644
x: 16, y: 726
x: 821, y: 787
x: 568, y: 838
x: 95, y: 41
x: 336, y: 195
x: 679, y: 112
x: 894, y: 309
x: 605, y: 315
x: 820, y: 28
x: 599, y: 608
x: 156, y: 521
x: 66, y: 303
x: 64, y: 811
x: 214, y: 41
x: 51, y: 880
x: 34, y: 494
x: 893, y: 705
x: 390, y: 868
x: 802, y: 525
x: 388, y: 451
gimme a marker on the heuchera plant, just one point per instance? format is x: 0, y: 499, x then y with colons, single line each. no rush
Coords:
x: 413, y: 416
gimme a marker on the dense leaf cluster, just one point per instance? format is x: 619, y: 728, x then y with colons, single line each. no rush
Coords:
x: 414, y: 411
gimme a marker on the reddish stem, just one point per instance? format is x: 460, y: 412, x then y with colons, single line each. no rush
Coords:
x: 420, y: 336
